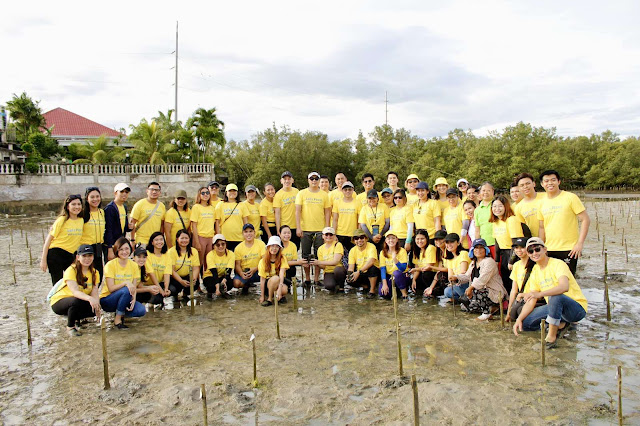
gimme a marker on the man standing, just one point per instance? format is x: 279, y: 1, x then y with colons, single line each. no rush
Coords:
x: 313, y: 211
x: 324, y: 183
x: 482, y: 215
x: 284, y: 206
x: 527, y: 209
x: 336, y: 193
x: 392, y: 181
x: 147, y: 215
x: 115, y: 217
x: 558, y: 215
x: 368, y: 182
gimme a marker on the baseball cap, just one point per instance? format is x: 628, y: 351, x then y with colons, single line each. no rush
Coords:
x: 387, y: 191
x: 140, y: 250
x: 121, y: 187
x: 250, y: 188
x: 440, y: 235
x: 452, y: 237
x: 274, y: 240
x: 372, y: 193
x: 358, y: 233
x: 328, y: 230
x: 441, y: 181
x: 535, y: 241
x: 248, y: 226
x: 218, y: 237
x: 310, y: 175
x: 181, y: 193
x: 85, y: 249
x: 287, y: 173
x: 422, y: 185
x: 214, y: 183
x: 231, y: 187
x: 519, y: 242
x: 347, y: 184
x: 452, y: 191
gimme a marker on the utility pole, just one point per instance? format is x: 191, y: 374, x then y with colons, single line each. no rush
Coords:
x: 386, y: 109
x: 176, y: 84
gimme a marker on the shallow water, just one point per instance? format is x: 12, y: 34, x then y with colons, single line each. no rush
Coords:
x: 336, y: 362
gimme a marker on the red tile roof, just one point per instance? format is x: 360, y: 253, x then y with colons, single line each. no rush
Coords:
x: 67, y: 123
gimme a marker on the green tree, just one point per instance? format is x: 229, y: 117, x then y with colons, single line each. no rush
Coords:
x: 208, y: 131
x: 96, y: 151
x: 26, y: 115
x: 152, y: 144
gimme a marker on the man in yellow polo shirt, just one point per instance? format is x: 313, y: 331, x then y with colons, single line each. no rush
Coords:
x: 527, y: 209
x: 550, y: 278
x: 284, y: 206
x: 147, y: 215
x: 558, y: 216
x: 363, y: 264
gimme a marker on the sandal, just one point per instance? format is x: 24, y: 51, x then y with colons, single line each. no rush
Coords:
x: 282, y: 300
x: 551, y: 345
x: 562, y: 331
x: 267, y: 303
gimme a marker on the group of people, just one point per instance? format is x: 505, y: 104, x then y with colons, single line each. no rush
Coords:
x: 462, y: 243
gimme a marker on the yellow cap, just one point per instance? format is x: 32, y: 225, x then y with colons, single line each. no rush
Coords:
x: 231, y: 187
x: 441, y: 181
x: 412, y: 176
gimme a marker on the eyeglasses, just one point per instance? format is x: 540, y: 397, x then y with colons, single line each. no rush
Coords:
x: 398, y: 198
x: 361, y: 237
x: 328, y: 234
x: 205, y: 193
x: 220, y: 244
x: 367, y: 181
x: 154, y: 189
x: 462, y: 184
x: 314, y: 178
x: 536, y: 249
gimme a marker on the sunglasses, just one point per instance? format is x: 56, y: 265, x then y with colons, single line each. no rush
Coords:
x: 205, y: 193
x: 92, y: 188
x: 154, y: 189
x: 74, y: 197
x: 328, y: 234
x: 314, y: 178
x: 367, y: 181
x: 536, y: 249
x: 398, y: 198
x: 361, y: 237
x: 220, y: 244
x: 462, y: 184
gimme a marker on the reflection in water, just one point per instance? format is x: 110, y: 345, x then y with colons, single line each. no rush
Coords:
x: 336, y: 363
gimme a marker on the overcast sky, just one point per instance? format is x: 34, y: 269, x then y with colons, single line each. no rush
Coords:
x: 478, y: 65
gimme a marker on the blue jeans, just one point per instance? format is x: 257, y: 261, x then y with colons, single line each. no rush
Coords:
x: 458, y: 291
x: 119, y: 301
x: 558, y: 308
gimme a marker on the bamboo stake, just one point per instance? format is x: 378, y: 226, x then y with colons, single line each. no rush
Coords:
x: 395, y: 310
x: 105, y: 358
x: 12, y: 237
x: 42, y: 229
x: 294, y: 288
x: 614, y: 226
x: 604, y: 237
x: 542, y: 342
x: 620, y: 395
x: 10, y: 253
x: 191, y: 301
x: 26, y: 315
x: 622, y: 240
x: 626, y: 250
x: 26, y: 239
x: 203, y: 396
x: 416, y: 402
x: 255, y: 368
x: 21, y: 231
x: 501, y: 312
x: 598, y: 229
x: 30, y: 258
x: 453, y: 299
x: 606, y: 287
x: 13, y: 268
x: 275, y: 298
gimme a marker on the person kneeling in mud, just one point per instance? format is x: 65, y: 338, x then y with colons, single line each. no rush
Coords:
x: 272, y: 269
x: 149, y: 290
x: 248, y: 254
x: 485, y: 291
x: 220, y: 262
x: 330, y: 261
x: 363, y: 264
x: 550, y: 278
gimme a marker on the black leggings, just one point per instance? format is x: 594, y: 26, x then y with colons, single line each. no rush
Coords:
x: 154, y: 299
x: 175, y: 287
x: 424, y: 281
x: 75, y: 309
x: 211, y: 282
x: 58, y: 260
x: 503, y: 257
x: 335, y: 279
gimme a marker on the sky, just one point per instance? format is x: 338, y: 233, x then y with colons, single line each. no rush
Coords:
x: 326, y: 66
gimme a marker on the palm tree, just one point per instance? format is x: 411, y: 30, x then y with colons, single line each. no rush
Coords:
x: 152, y: 144
x: 98, y: 151
x: 208, y: 129
x: 26, y: 114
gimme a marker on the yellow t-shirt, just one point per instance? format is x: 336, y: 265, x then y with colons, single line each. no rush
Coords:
x: 455, y: 264
x: 503, y: 231
x: 120, y: 274
x: 541, y: 280
x: 266, y: 210
x: 262, y: 268
x: 123, y: 216
x: 290, y: 252
x: 93, y: 230
x: 399, y: 218
x: 204, y: 217
x: 313, y: 205
x: 230, y: 216
x: 424, y: 214
x: 363, y: 200
x: 527, y: 212
x: 560, y: 219
x: 141, y: 210
x: 220, y: 263
x: 286, y: 202
x: 161, y: 265
x: 412, y: 199
x: 171, y: 216
x: 376, y: 216
x: 347, y: 216
x: 148, y: 270
x: 328, y: 253
x: 249, y: 256
x: 253, y: 216
x: 181, y: 263
x: 428, y: 257
x: 387, y: 262
x: 442, y: 203
x: 67, y: 233
x: 359, y: 257
x: 336, y: 194
x: 70, y: 275
x: 517, y: 275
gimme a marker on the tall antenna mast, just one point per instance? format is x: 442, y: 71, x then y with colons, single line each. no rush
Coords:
x: 386, y: 104
x: 176, y: 84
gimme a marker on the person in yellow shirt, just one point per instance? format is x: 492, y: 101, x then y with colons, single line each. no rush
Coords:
x: 313, y: 213
x: 63, y: 239
x: 421, y: 262
x: 374, y: 219
x: 514, y: 193
x: 520, y: 274
x: 231, y: 216
x: 94, y: 224
x: 252, y: 207
x: 363, y: 264
x: 393, y: 261
x: 184, y: 258
x: 119, y: 289
x: 214, y: 188
x: 426, y: 212
x: 441, y: 187
x: 290, y: 252
x: 552, y: 280
x: 272, y: 269
x: 441, y: 278
x: 527, y: 209
x: 410, y: 184
x: 248, y: 254
x: 177, y: 217
x: 454, y: 218
x: 336, y: 193
x: 330, y: 260
x: 147, y: 215
x: 401, y: 220
x: 505, y: 227
x: 558, y: 216
x: 457, y: 262
x: 463, y: 187
x: 267, y: 214
x: 149, y: 289
x: 203, y: 219
x: 220, y: 262
x: 284, y: 205
x: 368, y: 183
x: 392, y: 181
x: 160, y: 261
x: 77, y: 295
x: 345, y: 216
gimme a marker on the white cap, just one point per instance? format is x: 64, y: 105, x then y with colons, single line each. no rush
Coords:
x: 316, y: 174
x: 274, y: 240
x: 120, y: 187
x: 218, y: 237
x: 328, y: 230
x: 462, y: 180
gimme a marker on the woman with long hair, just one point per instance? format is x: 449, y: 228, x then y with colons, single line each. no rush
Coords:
x: 290, y: 252
x: 469, y: 207
x: 220, y: 263
x: 393, y: 262
x: 119, y: 289
x: 441, y: 278
x: 272, y: 269
x: 520, y: 274
x: 267, y: 214
x: 457, y: 261
x: 183, y: 258
x: 77, y: 295
x: 231, y: 217
x: 149, y: 289
x: 203, y: 224
x: 94, y: 223
x: 505, y: 227
x: 401, y: 219
x: 423, y: 258
x: 160, y: 261
x: 177, y: 217
x: 63, y: 239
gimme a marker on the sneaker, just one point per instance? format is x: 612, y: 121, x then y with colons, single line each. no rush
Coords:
x: 282, y: 300
x: 157, y: 307
x: 484, y: 317
x: 74, y: 332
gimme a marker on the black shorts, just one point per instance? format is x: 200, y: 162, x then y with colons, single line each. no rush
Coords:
x: 309, y: 239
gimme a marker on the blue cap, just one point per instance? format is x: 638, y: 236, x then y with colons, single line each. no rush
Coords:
x: 248, y: 226
x: 476, y: 243
x: 422, y: 185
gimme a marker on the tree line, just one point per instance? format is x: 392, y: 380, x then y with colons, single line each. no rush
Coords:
x: 594, y: 162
